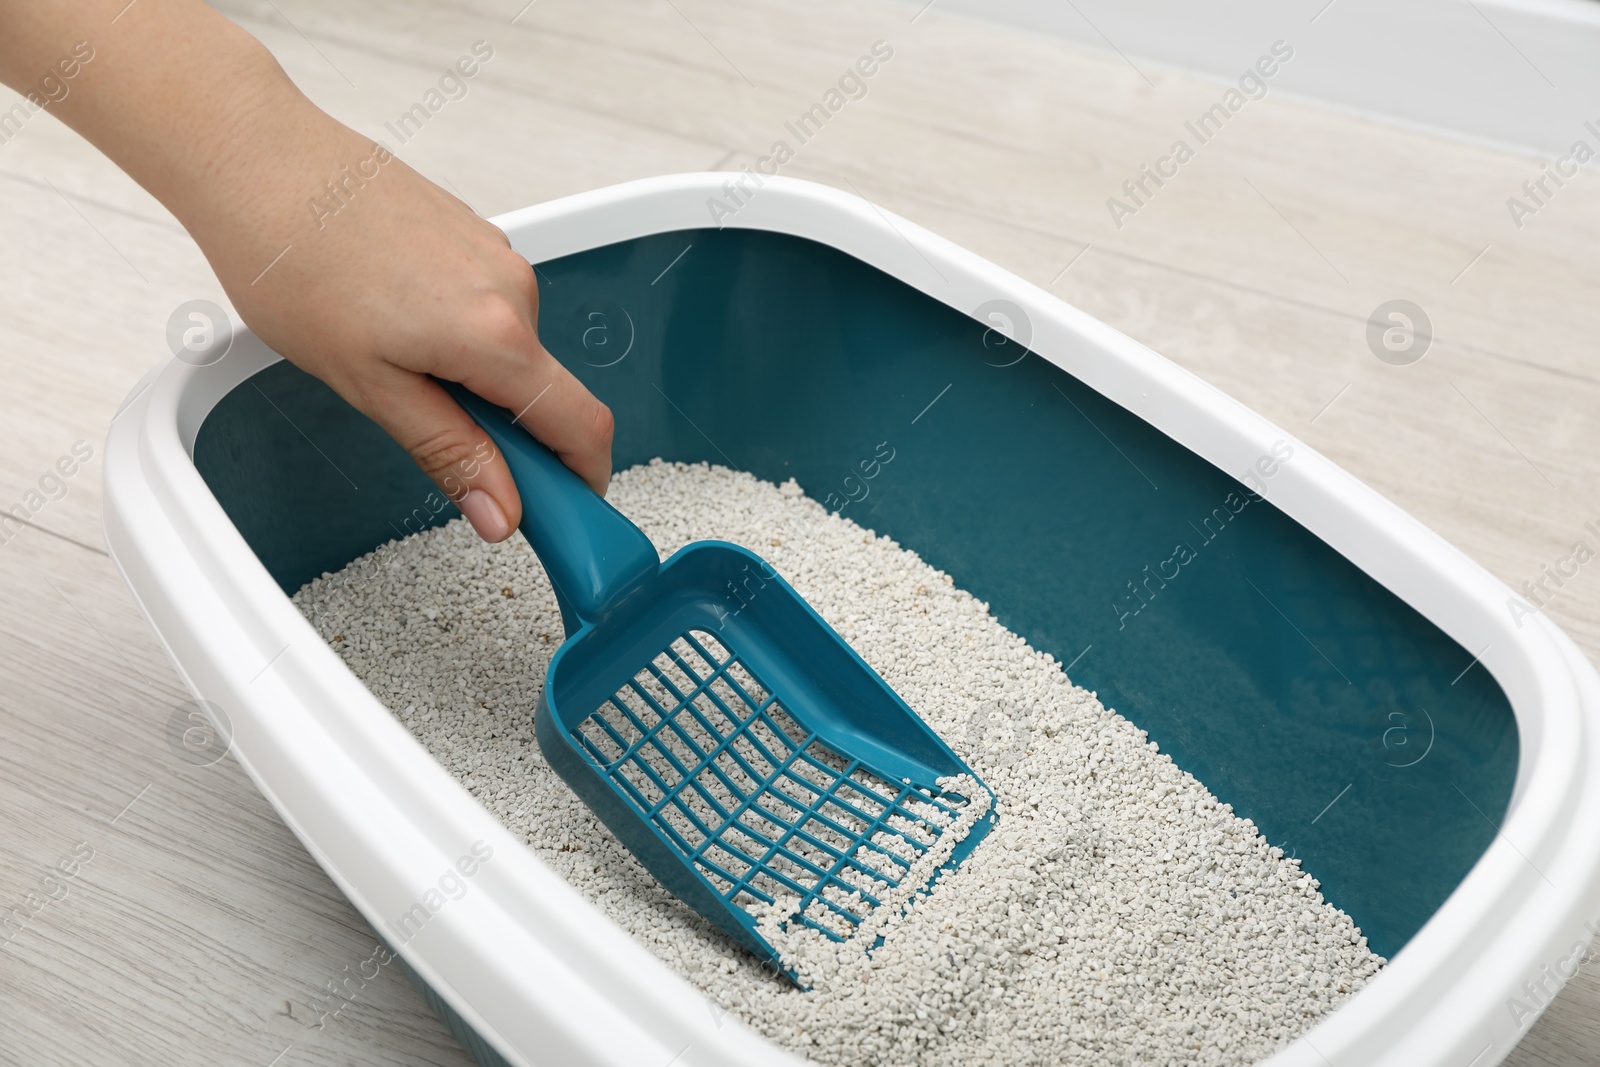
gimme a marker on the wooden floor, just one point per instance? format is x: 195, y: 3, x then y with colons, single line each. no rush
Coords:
x: 199, y: 932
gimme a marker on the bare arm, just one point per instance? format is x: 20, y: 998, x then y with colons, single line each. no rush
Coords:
x: 402, y: 282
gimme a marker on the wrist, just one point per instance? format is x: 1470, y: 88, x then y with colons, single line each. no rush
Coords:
x: 236, y: 174
x: 200, y: 114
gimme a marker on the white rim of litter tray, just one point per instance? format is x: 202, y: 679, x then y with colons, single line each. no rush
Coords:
x: 542, y: 975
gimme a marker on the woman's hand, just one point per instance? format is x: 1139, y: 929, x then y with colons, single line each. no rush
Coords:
x: 387, y: 279
x: 339, y: 256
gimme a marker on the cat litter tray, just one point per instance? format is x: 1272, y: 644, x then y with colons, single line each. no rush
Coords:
x: 1320, y: 660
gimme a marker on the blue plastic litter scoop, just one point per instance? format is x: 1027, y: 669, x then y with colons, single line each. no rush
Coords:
x: 729, y: 738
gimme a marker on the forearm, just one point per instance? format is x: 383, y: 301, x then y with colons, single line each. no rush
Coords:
x: 189, y: 105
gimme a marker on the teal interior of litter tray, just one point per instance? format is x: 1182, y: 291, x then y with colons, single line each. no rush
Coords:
x: 1355, y: 733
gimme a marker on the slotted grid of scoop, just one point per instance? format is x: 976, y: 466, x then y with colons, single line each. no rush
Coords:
x: 735, y: 744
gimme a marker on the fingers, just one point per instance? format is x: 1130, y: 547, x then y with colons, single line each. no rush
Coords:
x: 450, y: 448
x: 564, y: 415
x: 490, y: 346
x: 511, y: 368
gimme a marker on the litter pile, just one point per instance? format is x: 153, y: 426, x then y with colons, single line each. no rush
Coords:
x: 1117, y: 914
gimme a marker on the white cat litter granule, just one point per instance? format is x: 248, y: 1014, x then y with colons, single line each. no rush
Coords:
x: 1118, y: 914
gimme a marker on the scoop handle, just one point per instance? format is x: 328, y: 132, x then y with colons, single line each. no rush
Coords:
x: 594, y: 556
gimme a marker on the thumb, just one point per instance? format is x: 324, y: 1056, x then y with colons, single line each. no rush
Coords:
x: 451, y: 448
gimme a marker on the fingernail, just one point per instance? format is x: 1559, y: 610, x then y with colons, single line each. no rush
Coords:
x: 485, y: 515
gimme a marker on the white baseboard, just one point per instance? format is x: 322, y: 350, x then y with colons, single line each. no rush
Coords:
x: 1517, y: 74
